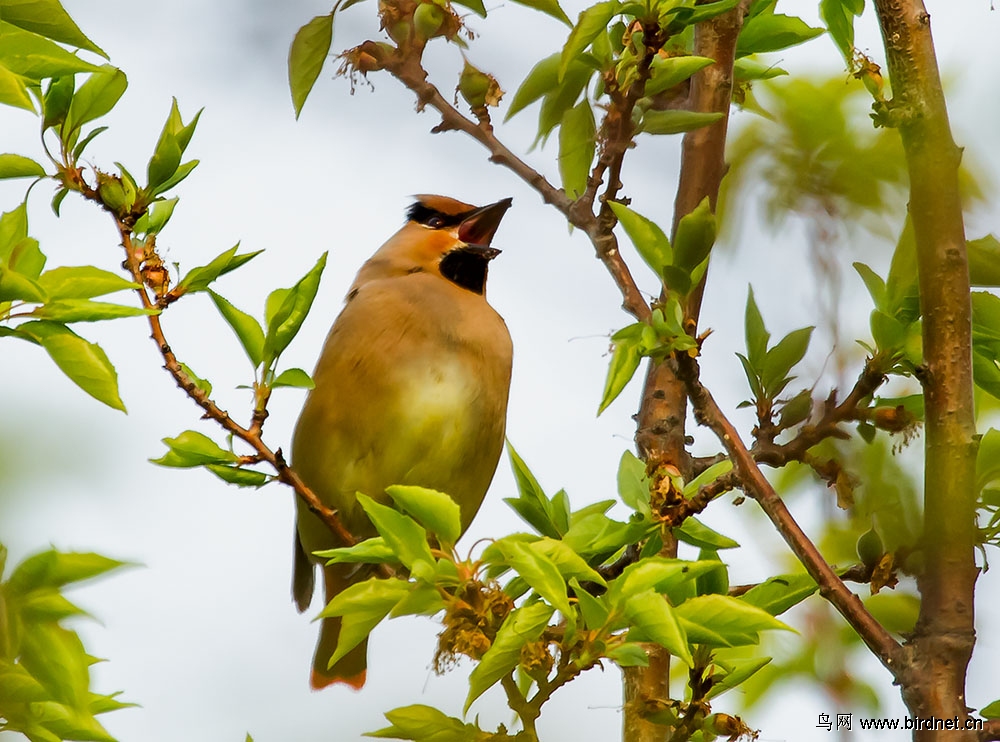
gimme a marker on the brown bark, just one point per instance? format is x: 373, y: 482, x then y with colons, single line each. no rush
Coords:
x: 934, y: 682
x: 660, y: 422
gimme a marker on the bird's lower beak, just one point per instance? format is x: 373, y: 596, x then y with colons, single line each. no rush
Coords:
x: 479, y: 227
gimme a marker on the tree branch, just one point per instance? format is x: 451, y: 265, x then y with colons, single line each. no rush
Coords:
x: 251, y: 436
x: 708, y: 413
x: 766, y: 451
x: 945, y: 632
x: 409, y: 71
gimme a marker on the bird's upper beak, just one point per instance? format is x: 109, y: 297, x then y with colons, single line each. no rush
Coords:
x: 478, y: 228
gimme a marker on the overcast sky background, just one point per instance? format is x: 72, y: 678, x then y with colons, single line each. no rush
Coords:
x: 204, y: 635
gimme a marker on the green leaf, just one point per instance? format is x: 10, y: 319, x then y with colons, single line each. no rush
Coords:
x: 782, y: 357
x: 649, y: 240
x: 363, y: 606
x: 988, y: 459
x: 202, y: 384
x: 238, y: 476
x: 591, y: 22
x: 48, y: 605
x: 192, y: 448
x: 369, y: 551
x: 284, y: 324
x: 199, y: 279
x: 624, y: 363
x: 166, y: 160
x: 901, y: 283
x: 633, y: 484
x: 180, y: 174
x: 27, y: 259
x: 550, y: 7
x: 96, y: 97
x: 598, y: 535
x: 707, y: 477
x: 737, y: 671
x: 293, y: 377
x: 543, y: 77
x: 539, y: 571
x: 56, y: 658
x: 532, y: 505
x: 402, y: 534
x: 246, y: 328
x: 19, y: 166
x: 563, y: 97
x: 991, y: 710
x: 13, y: 229
x: 434, y: 510
x: 307, y: 56
x: 570, y: 564
x: 749, y: 70
x: 47, y: 18
x: 687, y: 15
x: 874, y: 284
x: 82, y: 144
x: 84, y: 310
x: 82, y: 282
x: 14, y: 90
x: 426, y: 724
x: 984, y: 261
x: 83, y: 362
x: 53, y: 569
x: 522, y: 626
x: 660, y: 574
x: 18, y: 686
x: 475, y: 6
x: 693, y: 531
x: 651, y: 614
x: 15, y: 286
x: 777, y: 594
x: 669, y: 71
x: 839, y: 20
x: 576, y: 148
x: 629, y: 654
x: 676, y: 122
x: 771, y: 32
x: 695, y: 236
x: 734, y: 620
x: 595, y: 613
x: 31, y: 55
x: 156, y: 218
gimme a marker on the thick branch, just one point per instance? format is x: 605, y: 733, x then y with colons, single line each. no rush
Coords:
x: 707, y: 413
x: 990, y: 731
x: 945, y: 631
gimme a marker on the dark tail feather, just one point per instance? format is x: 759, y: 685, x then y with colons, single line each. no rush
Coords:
x: 350, y: 669
x: 303, y: 576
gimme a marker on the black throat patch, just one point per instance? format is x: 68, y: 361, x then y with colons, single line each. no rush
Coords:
x: 466, y: 269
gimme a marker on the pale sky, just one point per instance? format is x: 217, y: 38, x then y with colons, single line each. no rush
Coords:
x: 204, y: 635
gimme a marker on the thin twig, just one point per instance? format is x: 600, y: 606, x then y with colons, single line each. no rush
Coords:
x: 251, y: 436
x: 755, y: 484
x: 408, y: 70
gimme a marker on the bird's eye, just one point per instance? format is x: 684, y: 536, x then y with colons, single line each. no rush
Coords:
x: 435, y: 222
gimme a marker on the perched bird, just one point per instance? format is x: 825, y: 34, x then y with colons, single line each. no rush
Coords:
x: 411, y: 388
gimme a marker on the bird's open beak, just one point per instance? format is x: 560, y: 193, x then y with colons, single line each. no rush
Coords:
x: 479, y: 227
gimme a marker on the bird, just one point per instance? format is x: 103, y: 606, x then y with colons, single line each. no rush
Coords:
x: 411, y: 388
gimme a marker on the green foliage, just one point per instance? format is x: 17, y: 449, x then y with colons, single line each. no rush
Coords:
x: 307, y: 56
x: 663, y: 335
x: 45, y: 689
x: 812, y: 162
x: 767, y: 367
